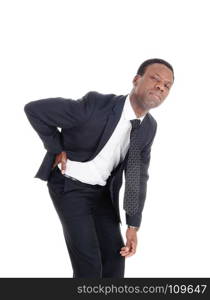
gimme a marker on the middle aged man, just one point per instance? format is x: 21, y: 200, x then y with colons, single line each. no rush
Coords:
x: 101, y: 135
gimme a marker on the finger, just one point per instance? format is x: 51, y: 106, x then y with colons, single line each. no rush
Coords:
x: 63, y: 167
x: 63, y: 163
x: 55, y: 163
x: 63, y: 160
x: 124, y: 252
x: 125, y: 248
x: 130, y: 253
x: 127, y: 254
x: 129, y: 250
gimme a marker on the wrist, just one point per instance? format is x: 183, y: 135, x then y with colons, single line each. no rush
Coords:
x: 134, y: 228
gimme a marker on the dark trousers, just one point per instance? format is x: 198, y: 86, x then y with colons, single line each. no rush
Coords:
x: 90, y: 226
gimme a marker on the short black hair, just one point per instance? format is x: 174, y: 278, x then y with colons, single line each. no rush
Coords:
x: 146, y: 63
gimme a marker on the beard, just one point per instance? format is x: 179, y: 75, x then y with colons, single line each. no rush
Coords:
x: 148, y: 101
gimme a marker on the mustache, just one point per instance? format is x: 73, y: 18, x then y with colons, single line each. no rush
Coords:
x: 156, y: 94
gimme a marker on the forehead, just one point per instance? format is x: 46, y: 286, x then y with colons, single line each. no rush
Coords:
x: 161, y: 70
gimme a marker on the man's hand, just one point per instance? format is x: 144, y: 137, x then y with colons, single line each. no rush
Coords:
x: 131, y: 244
x: 61, y: 158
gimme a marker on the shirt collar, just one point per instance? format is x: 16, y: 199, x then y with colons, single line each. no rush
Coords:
x: 128, y: 111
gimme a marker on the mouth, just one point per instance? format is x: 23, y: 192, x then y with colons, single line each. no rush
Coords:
x: 157, y: 96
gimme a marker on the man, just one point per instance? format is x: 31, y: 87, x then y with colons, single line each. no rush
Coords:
x: 101, y: 135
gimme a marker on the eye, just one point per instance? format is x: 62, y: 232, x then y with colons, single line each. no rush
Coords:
x: 167, y: 86
x: 154, y: 78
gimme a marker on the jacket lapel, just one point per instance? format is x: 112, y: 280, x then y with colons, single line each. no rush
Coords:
x: 112, y: 121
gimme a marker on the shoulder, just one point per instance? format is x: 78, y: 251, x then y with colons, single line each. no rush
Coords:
x: 152, y: 120
x: 101, y: 101
x: 151, y: 124
x: 99, y: 96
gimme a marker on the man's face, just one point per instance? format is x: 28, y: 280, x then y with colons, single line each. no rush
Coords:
x: 153, y: 87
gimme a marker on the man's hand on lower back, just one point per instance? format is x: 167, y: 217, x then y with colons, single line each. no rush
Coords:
x: 131, y: 243
x: 61, y: 158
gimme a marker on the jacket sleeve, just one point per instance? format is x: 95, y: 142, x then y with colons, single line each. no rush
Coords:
x: 135, y: 220
x: 46, y: 115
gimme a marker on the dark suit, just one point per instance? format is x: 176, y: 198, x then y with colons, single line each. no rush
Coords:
x: 86, y: 125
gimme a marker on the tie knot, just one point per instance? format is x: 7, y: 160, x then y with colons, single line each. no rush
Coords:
x: 135, y: 123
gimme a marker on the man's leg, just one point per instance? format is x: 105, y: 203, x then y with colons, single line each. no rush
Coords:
x: 74, y: 208
x: 110, y: 238
x: 83, y: 248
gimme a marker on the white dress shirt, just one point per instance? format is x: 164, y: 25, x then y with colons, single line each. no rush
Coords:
x: 114, y: 151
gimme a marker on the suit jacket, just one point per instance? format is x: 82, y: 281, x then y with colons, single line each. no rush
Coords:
x: 86, y: 125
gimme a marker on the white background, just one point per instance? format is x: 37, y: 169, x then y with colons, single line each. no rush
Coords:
x: 67, y: 48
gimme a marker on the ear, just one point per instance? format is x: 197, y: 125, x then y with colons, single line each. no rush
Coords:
x: 136, y: 79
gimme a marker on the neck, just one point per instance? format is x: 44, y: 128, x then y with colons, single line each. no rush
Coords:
x: 139, y: 111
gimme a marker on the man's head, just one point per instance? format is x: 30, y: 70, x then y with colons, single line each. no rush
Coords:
x: 152, y: 83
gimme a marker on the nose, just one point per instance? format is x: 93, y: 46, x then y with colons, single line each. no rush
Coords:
x: 160, y: 86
